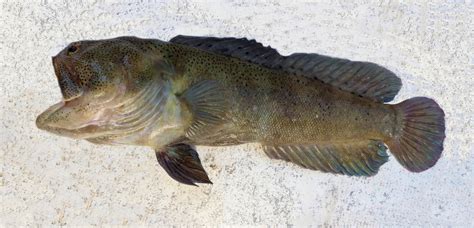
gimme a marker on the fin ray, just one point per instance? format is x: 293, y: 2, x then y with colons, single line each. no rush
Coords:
x: 419, y: 142
x: 182, y: 163
x: 207, y: 104
x: 352, y: 158
x: 361, y: 78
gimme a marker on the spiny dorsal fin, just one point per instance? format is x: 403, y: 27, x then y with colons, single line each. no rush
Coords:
x: 353, y: 159
x: 208, y: 105
x: 242, y: 48
x: 361, y: 78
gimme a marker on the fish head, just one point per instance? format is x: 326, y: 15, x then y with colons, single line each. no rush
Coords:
x: 94, y: 77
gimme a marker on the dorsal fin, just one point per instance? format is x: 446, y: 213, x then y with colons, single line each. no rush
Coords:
x: 361, y: 78
x: 242, y: 48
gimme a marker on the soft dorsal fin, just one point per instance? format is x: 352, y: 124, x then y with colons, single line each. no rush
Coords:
x: 361, y: 78
x: 352, y: 158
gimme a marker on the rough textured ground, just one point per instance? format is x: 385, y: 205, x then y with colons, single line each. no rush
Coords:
x: 47, y: 179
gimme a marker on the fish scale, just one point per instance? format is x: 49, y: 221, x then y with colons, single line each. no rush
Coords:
x: 319, y: 112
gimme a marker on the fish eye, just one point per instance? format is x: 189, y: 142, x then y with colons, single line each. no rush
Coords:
x: 72, y: 49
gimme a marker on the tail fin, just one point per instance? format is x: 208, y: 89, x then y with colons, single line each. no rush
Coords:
x: 419, y: 142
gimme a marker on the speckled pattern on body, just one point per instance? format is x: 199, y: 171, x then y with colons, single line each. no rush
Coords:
x: 50, y: 180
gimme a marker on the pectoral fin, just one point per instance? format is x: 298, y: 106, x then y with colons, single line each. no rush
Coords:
x: 182, y: 163
x: 208, y: 106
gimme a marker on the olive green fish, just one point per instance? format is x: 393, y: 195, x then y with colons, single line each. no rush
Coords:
x: 319, y: 112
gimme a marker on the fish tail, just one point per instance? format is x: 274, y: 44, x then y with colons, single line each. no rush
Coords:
x: 417, y: 142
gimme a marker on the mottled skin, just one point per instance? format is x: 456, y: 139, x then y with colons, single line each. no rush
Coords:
x: 265, y: 105
x: 273, y: 107
x: 150, y: 93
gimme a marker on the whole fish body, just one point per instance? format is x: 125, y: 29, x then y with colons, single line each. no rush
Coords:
x: 319, y: 112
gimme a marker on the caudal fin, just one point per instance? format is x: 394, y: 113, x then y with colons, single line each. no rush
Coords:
x: 419, y: 141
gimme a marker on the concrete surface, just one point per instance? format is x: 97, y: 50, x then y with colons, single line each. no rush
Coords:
x: 49, y: 180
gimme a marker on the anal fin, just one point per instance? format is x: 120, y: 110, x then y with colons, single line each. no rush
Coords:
x: 362, y: 158
x: 182, y: 163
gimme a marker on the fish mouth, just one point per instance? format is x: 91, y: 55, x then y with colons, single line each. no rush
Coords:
x: 68, y: 79
x: 57, y: 119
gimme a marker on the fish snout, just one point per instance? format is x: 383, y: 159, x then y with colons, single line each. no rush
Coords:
x: 55, y: 61
x: 68, y: 78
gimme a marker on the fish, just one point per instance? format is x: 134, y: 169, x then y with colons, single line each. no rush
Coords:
x: 318, y: 112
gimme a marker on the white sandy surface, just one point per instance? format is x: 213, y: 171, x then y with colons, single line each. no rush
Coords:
x: 51, y: 180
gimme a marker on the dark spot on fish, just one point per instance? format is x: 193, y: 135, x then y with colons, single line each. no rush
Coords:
x: 72, y: 49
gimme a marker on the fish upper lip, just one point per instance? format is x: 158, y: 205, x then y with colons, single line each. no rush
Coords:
x: 66, y: 74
